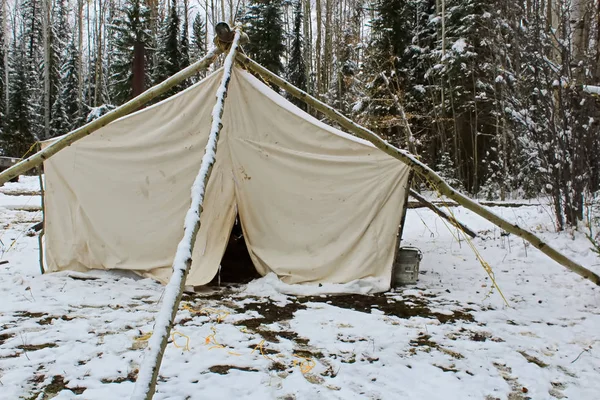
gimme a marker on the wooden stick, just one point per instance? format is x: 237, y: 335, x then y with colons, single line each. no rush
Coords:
x: 132, y: 105
x: 442, y: 213
x: 423, y: 170
x: 145, y: 384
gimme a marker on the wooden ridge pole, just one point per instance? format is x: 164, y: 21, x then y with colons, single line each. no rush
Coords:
x: 132, y: 105
x: 442, y: 214
x: 423, y: 170
x: 145, y: 384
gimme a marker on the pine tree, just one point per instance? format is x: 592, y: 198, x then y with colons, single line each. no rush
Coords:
x: 296, y: 66
x: 185, y: 41
x: 69, y: 109
x: 31, y: 38
x: 387, y: 55
x: 60, y: 36
x: 198, y: 37
x: 131, y: 34
x: 18, y: 135
x: 170, y: 50
x: 264, y: 26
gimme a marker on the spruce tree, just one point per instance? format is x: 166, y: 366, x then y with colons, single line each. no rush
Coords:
x: 18, y: 135
x: 60, y: 36
x: 198, y: 37
x: 185, y: 41
x: 296, y: 66
x: 131, y: 35
x: 390, y: 40
x: 31, y: 39
x: 170, y: 51
x: 70, y: 102
x: 264, y: 26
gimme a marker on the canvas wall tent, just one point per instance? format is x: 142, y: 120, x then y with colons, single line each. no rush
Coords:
x: 315, y: 204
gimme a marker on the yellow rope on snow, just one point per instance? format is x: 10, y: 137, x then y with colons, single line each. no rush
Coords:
x: 187, y: 341
x: 305, y: 364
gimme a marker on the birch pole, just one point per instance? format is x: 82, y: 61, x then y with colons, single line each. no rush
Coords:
x: 132, y: 105
x: 146, y: 382
x: 423, y: 170
x: 443, y: 214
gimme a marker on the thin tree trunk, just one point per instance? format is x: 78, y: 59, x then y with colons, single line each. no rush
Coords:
x: 46, y: 26
x: 410, y: 143
x: 424, y: 171
x: 146, y: 382
x: 328, y: 51
x: 5, y: 60
x: 132, y: 105
x: 80, y: 58
x: 307, y: 45
x: 318, y: 48
x: 98, y: 67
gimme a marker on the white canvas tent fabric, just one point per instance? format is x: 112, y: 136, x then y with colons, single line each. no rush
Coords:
x: 316, y: 204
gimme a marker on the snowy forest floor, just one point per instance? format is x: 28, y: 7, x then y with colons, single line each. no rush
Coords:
x: 68, y: 335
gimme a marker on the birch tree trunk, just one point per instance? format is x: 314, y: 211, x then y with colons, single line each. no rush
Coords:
x: 132, y: 105
x: 423, y: 170
x: 146, y: 382
x: 579, y: 22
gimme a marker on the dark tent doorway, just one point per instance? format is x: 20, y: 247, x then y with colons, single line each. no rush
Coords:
x: 236, y: 264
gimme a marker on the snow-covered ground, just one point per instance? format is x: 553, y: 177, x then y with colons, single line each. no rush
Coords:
x: 447, y: 337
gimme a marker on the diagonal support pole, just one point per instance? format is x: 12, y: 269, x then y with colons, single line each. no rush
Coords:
x: 423, y: 170
x: 145, y: 384
x: 132, y: 105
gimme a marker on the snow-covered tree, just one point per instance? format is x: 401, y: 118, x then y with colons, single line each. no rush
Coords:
x: 130, y: 74
x: 264, y: 26
x: 18, y: 135
x: 296, y: 68
x: 169, y: 59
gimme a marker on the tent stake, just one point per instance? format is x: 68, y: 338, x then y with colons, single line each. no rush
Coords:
x: 442, y: 214
x: 145, y: 384
x: 423, y: 170
x: 132, y: 105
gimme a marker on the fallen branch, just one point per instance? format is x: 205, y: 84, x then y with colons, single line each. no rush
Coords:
x: 145, y: 384
x: 423, y: 170
x: 443, y: 214
x: 132, y: 105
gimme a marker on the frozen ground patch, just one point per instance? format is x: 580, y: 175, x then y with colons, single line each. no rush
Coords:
x: 447, y: 337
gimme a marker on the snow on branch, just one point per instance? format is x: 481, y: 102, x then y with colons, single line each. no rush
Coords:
x: 592, y: 89
x: 146, y: 381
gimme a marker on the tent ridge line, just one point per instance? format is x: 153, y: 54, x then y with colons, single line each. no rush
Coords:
x: 427, y: 173
x: 145, y: 385
x: 121, y: 111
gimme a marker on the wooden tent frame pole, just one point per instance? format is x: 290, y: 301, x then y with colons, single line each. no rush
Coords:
x: 132, y: 105
x: 42, y: 231
x: 145, y: 385
x: 423, y: 170
x: 442, y: 214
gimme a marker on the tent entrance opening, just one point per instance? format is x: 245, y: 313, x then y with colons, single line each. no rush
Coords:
x: 236, y: 265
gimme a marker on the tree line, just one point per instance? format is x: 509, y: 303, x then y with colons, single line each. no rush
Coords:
x: 499, y: 96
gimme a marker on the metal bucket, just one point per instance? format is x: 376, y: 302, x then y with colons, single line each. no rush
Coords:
x: 406, y: 266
